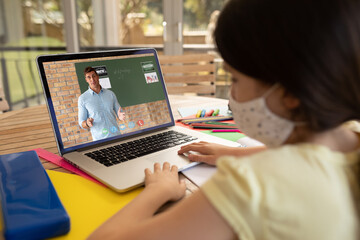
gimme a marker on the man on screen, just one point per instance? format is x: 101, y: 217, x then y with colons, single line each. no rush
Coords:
x: 99, y: 108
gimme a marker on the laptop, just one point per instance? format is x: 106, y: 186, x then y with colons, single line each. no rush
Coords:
x: 114, y: 150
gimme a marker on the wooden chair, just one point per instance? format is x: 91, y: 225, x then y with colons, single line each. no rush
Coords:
x: 4, y: 106
x: 189, y: 74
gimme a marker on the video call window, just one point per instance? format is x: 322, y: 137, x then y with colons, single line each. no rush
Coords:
x: 130, y: 84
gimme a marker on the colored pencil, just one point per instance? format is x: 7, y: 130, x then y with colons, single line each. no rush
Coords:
x: 214, y: 126
x: 226, y: 130
x: 204, y: 119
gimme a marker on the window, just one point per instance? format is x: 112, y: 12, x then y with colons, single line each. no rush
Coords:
x: 28, y: 28
x: 199, y: 20
x: 119, y: 22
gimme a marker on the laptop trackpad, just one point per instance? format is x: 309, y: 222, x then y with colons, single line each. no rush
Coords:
x: 181, y: 161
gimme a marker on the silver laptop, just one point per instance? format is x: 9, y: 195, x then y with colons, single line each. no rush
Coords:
x: 115, y: 133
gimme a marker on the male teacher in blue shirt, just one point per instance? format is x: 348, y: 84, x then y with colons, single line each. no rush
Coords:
x: 98, y: 108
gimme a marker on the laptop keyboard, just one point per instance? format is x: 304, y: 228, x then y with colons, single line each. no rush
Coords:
x: 138, y: 148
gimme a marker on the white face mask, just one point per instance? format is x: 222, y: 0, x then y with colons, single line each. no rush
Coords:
x: 256, y: 120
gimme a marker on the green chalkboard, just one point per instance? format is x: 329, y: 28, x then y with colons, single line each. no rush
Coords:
x: 127, y: 79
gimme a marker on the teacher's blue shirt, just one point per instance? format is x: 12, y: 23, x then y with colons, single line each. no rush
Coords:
x: 103, y: 109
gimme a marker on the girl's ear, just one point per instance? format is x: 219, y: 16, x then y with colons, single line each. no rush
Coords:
x: 290, y: 101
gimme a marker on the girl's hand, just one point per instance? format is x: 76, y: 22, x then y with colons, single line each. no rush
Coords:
x: 209, y: 152
x: 166, y: 181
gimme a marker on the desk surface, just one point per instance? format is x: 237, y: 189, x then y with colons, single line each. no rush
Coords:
x: 30, y: 128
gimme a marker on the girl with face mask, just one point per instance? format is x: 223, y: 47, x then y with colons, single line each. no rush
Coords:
x: 295, y: 67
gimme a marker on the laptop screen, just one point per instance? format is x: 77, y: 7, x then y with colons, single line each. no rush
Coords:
x: 125, y: 96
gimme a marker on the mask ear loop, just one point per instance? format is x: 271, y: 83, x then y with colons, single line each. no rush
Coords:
x: 273, y: 88
x: 269, y: 91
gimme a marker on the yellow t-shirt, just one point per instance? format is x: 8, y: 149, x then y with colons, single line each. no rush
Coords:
x: 303, y: 192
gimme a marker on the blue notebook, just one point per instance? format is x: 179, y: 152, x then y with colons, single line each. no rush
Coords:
x: 31, y: 208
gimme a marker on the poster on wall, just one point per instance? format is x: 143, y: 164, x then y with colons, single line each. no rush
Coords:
x: 104, y: 79
x: 149, y: 72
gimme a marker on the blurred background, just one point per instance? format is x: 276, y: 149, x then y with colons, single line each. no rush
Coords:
x: 29, y: 28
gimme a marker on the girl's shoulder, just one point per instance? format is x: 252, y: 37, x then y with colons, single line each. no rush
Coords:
x: 284, y: 153
x: 298, y: 184
x: 292, y: 161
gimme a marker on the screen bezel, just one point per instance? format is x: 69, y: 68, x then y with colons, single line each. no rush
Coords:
x: 40, y: 60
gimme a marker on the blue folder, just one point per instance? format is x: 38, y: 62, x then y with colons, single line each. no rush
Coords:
x: 30, y: 205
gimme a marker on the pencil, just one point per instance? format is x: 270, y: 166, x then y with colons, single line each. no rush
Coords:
x: 216, y: 112
x: 208, y: 114
x: 226, y: 130
x: 205, y: 119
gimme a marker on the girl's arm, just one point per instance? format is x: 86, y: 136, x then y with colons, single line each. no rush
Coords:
x: 191, y: 218
x: 210, y: 152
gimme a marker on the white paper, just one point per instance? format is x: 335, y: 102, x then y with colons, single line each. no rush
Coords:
x: 200, y: 173
x: 105, y: 82
x: 249, y: 142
